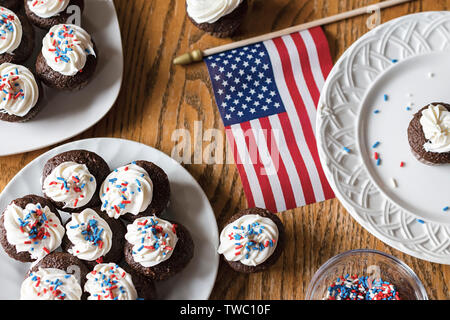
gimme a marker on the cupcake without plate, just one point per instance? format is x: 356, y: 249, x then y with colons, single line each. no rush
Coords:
x: 220, y: 18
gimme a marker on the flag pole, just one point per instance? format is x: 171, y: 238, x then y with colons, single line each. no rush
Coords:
x: 198, y: 55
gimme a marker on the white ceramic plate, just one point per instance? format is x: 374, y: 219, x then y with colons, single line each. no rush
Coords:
x: 188, y: 205
x: 407, y: 60
x: 67, y: 114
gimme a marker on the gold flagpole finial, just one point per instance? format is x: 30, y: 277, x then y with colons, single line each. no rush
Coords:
x: 188, y: 58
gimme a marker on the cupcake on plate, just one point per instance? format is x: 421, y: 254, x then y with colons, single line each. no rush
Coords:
x: 111, y: 282
x: 220, y: 18
x: 157, y: 248
x: 58, y: 276
x: 20, y: 93
x: 48, y: 13
x: 429, y: 134
x: 252, y: 241
x: 17, y: 40
x: 94, y: 238
x: 136, y: 190
x: 71, y: 180
x: 10, y: 4
x: 30, y: 228
x: 68, y: 58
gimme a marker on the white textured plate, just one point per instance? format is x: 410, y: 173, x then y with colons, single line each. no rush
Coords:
x: 188, y: 205
x: 67, y: 114
x: 408, y: 60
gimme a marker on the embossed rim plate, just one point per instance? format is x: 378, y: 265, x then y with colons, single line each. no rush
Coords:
x: 188, y: 205
x: 339, y: 106
x: 66, y: 114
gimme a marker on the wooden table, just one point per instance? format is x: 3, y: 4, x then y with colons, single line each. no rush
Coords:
x: 158, y: 97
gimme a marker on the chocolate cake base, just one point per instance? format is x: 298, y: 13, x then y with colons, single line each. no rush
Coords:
x: 182, y: 254
x: 115, y: 254
x: 417, y: 140
x: 227, y: 25
x: 26, y: 47
x: 61, y: 18
x: 96, y: 165
x: 238, y: 266
x: 22, y: 203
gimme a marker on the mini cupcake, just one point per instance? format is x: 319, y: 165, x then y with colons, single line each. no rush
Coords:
x: 20, y: 93
x: 252, y: 241
x: 157, y: 248
x: 17, y: 40
x: 30, y: 228
x: 429, y: 134
x: 136, y: 190
x: 66, y: 277
x: 68, y: 58
x: 220, y: 18
x: 10, y: 4
x: 71, y: 180
x: 94, y: 238
x: 48, y: 13
x: 50, y: 284
x: 111, y: 282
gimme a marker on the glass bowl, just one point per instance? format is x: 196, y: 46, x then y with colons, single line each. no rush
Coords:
x: 371, y: 263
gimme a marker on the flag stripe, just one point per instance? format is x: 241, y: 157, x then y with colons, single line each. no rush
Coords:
x: 266, y: 187
x: 249, y: 169
x: 292, y: 166
x: 313, y: 58
x: 273, y: 136
x: 240, y: 167
x: 323, y: 50
x: 298, y: 116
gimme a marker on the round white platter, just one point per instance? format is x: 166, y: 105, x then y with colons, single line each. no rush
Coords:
x: 370, y: 96
x: 67, y: 114
x: 188, y: 206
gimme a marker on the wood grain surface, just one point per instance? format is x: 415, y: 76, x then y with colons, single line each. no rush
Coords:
x: 158, y: 97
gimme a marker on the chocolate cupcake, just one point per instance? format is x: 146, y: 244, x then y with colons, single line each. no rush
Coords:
x: 252, y: 241
x: 17, y: 40
x: 429, y: 134
x: 220, y: 18
x: 111, y: 282
x: 30, y: 228
x: 71, y: 180
x: 94, y: 238
x: 10, y: 4
x: 48, y: 13
x: 136, y: 190
x: 68, y: 58
x: 20, y: 95
x: 66, y: 277
x: 157, y: 248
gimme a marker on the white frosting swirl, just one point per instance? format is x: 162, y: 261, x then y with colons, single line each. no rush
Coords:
x: 47, y: 8
x: 110, y: 282
x: 90, y: 235
x: 153, y: 240
x: 251, y: 240
x: 10, y: 31
x: 127, y: 189
x: 435, y: 122
x: 70, y: 183
x: 210, y: 11
x: 50, y: 284
x: 66, y: 47
x: 19, y: 91
x: 34, y: 229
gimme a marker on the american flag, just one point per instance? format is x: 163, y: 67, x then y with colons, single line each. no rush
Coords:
x: 267, y: 94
